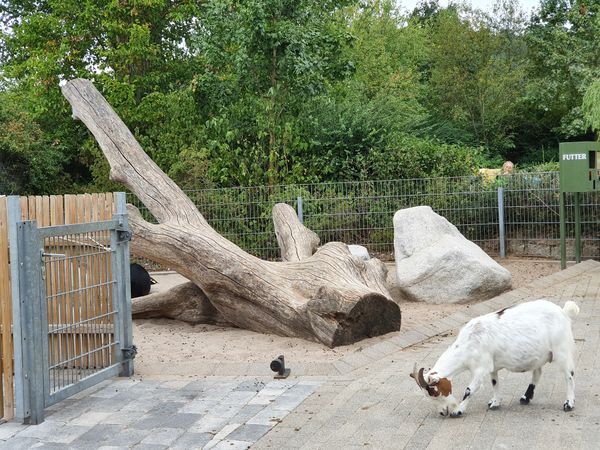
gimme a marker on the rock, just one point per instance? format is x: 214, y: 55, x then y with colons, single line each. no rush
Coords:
x: 360, y: 251
x: 435, y: 263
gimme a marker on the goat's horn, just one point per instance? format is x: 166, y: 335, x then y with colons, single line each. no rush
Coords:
x: 417, y: 374
x: 421, y: 379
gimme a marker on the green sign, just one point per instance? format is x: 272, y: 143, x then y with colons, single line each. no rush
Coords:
x: 579, y: 166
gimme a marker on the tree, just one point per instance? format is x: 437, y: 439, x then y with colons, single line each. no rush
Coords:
x: 29, y: 161
x: 591, y: 106
x: 478, y: 74
x: 331, y: 297
x: 260, y: 63
x: 131, y: 48
x: 564, y: 47
x: 373, y: 124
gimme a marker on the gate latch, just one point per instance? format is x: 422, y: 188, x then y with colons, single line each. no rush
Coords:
x: 124, y: 235
x: 129, y: 352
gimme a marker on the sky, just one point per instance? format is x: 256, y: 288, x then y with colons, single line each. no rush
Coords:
x: 486, y: 5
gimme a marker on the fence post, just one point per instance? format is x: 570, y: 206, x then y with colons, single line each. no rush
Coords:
x: 22, y: 409
x: 120, y: 245
x: 577, y: 207
x: 25, y: 256
x: 501, y: 221
x: 563, y: 230
x: 300, y: 212
x: 35, y: 320
x: 7, y: 390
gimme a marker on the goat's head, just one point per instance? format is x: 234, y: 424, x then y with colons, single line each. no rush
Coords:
x: 437, y: 388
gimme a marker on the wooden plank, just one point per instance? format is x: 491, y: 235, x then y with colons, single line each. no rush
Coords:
x: 56, y: 304
x: 70, y: 209
x: 6, y: 389
x: 4, y: 283
x: 109, y: 210
x: 45, y: 215
x: 44, y: 220
x: 105, y: 262
x: 96, y: 300
x: 97, y: 209
x: 85, y: 298
x: 70, y: 218
x: 24, y: 208
x: 54, y: 200
x: 53, y: 285
x: 38, y: 202
x: 81, y: 312
x: 109, y: 203
x: 31, y: 207
x: 59, y: 212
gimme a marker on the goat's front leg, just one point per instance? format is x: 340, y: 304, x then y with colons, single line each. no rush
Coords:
x: 570, y: 379
x: 474, y: 385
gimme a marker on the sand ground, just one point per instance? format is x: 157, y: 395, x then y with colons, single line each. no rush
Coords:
x: 180, y: 349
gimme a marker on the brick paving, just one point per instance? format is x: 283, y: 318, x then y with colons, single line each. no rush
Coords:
x: 364, y: 400
x: 381, y: 407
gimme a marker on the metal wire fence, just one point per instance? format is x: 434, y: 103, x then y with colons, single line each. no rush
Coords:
x: 362, y: 212
x: 81, y: 314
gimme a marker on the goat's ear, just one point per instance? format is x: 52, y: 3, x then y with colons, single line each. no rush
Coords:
x: 444, y: 387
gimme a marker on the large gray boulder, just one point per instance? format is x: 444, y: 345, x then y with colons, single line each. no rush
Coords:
x: 435, y: 263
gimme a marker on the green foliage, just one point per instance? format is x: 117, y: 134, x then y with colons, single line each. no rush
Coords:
x: 477, y: 75
x: 591, y: 105
x: 259, y: 62
x: 130, y: 49
x: 551, y: 166
x: 266, y: 92
x: 564, y: 47
x: 411, y: 157
x: 29, y: 162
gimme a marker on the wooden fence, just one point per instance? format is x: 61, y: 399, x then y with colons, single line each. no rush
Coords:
x: 47, y: 211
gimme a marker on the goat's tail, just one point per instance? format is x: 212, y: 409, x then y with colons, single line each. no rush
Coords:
x: 571, y: 309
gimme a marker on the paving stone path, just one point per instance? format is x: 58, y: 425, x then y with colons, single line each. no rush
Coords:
x: 365, y: 400
x: 124, y: 413
x: 381, y: 407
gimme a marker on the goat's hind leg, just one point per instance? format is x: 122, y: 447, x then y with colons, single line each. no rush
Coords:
x: 494, y: 403
x: 535, y: 378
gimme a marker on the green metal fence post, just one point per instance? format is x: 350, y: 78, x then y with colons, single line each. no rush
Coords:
x: 577, y: 205
x: 563, y: 231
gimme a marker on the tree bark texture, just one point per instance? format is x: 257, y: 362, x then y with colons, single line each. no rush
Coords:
x: 295, y: 240
x: 185, y: 302
x: 329, y: 297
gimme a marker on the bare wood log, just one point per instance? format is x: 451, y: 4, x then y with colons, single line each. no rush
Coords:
x: 295, y: 240
x: 330, y: 297
x: 185, y: 302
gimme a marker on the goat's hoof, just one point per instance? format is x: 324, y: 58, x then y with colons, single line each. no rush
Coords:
x: 493, y: 405
x: 524, y: 401
x: 568, y: 406
x: 456, y: 414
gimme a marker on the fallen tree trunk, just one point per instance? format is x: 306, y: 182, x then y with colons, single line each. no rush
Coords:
x: 330, y: 297
x: 185, y: 302
x: 295, y: 240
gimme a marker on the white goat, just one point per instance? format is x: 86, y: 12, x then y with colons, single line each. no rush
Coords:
x: 520, y: 338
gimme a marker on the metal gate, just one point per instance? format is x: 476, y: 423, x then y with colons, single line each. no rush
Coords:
x: 71, y: 308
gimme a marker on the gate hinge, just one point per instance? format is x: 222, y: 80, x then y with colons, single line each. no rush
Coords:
x: 124, y: 235
x: 129, y: 352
